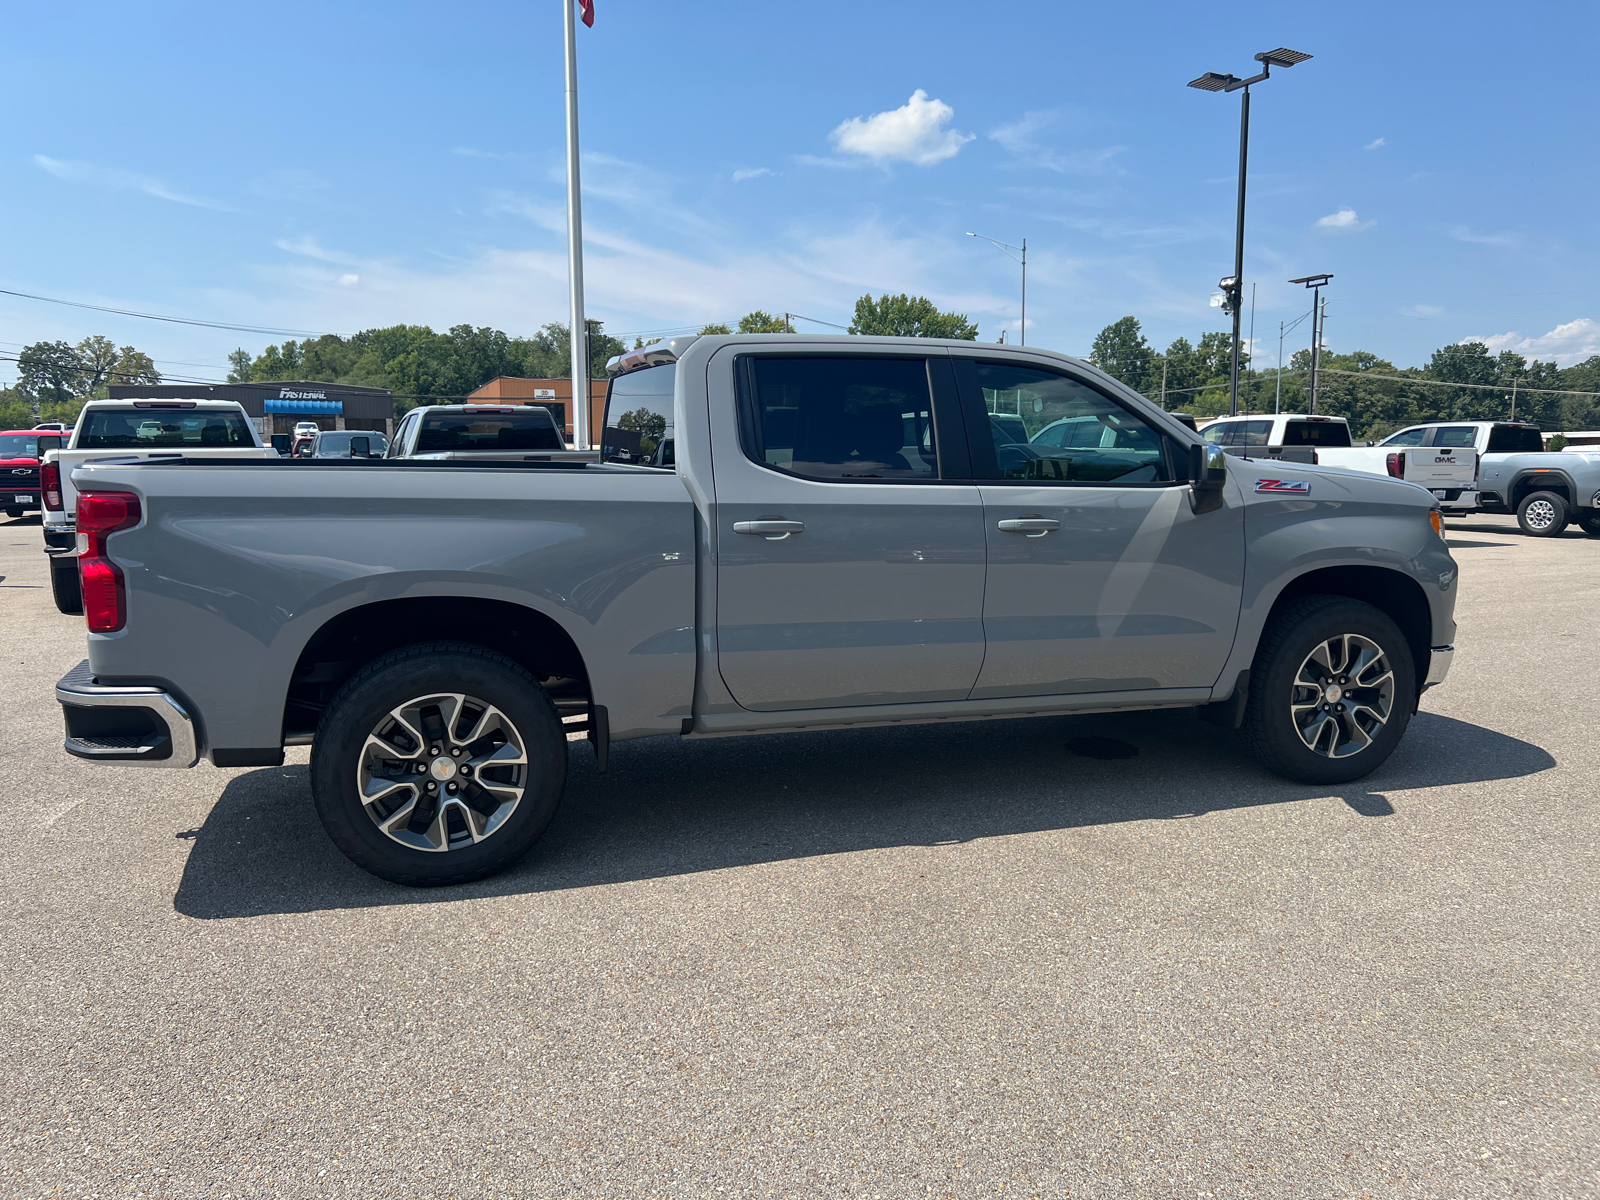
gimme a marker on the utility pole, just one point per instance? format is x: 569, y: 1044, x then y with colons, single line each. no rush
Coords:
x: 1316, y: 283
x: 1514, y: 383
x: 1252, y: 342
x: 1163, y: 383
x: 1277, y: 401
x: 1007, y: 248
x: 578, y: 343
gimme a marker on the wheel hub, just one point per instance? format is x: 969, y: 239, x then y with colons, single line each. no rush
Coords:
x: 1333, y: 693
x: 442, y: 769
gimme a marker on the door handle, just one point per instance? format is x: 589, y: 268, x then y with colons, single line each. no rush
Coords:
x: 1032, y: 526
x: 773, y: 531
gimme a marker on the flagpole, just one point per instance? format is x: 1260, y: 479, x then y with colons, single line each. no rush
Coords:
x: 579, y: 334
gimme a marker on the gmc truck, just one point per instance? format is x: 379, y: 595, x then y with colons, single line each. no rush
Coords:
x: 845, y: 538
x: 1547, y: 490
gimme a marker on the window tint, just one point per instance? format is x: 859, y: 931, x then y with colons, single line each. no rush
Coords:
x: 1077, y: 435
x: 1514, y: 439
x: 53, y: 442
x: 351, y: 445
x: 1238, y: 433
x: 1316, y: 433
x: 532, y: 430
x: 1406, y: 437
x: 1456, y: 437
x: 20, y: 445
x: 850, y: 417
x: 641, y: 403
x: 147, y: 429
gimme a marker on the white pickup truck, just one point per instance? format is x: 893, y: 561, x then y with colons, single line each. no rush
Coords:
x: 1449, y: 472
x: 131, y: 429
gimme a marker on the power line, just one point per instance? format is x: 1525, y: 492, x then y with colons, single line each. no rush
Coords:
x: 125, y: 312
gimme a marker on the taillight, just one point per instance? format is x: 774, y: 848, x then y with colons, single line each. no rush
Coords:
x: 50, y: 485
x: 105, y: 597
x: 1396, y: 463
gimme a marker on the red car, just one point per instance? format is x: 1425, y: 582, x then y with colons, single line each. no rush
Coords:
x: 20, y: 452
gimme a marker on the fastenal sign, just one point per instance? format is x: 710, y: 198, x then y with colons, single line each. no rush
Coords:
x: 291, y: 394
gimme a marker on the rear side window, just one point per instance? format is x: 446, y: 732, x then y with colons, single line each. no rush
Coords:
x: 157, y: 429
x: 1238, y: 433
x: 850, y: 418
x: 1456, y: 437
x: 640, y: 405
x: 1316, y: 433
x: 1407, y: 437
x: 1514, y: 439
x: 445, y: 431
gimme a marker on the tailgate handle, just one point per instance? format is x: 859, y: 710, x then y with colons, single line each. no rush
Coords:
x: 773, y: 531
x: 1032, y: 526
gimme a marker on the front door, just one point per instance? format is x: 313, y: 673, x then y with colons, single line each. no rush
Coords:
x: 1101, y: 578
x: 849, y: 571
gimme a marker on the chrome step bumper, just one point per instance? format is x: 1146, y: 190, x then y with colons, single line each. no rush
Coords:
x: 126, y: 725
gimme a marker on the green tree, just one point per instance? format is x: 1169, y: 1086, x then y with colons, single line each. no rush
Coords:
x: 16, y: 412
x: 99, y: 358
x: 908, y: 316
x: 651, y: 427
x: 49, y: 371
x: 239, y: 363
x: 765, y: 322
x: 1121, y: 352
x: 705, y: 331
x: 134, y: 366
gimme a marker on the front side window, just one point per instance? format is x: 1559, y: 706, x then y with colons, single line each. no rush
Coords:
x: 1076, y: 434
x: 1407, y: 437
x: 849, y: 418
x: 143, y: 429
x: 1455, y: 437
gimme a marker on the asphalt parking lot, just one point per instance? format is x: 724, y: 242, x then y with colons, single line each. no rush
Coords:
x: 927, y: 961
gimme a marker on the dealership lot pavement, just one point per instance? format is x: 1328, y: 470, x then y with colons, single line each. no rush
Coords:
x: 927, y: 961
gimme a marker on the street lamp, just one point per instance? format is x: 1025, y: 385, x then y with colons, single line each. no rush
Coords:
x: 1006, y: 248
x: 1233, y: 286
x: 1316, y: 283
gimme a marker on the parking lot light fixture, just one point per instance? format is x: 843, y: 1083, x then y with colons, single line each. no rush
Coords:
x: 1214, y: 81
x: 1017, y: 254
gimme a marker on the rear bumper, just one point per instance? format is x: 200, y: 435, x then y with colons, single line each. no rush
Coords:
x: 60, y: 539
x: 1439, y: 659
x: 1455, y: 499
x: 129, y: 726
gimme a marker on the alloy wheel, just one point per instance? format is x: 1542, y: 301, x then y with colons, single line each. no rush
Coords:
x: 442, y: 772
x: 1540, y: 515
x: 1342, y: 695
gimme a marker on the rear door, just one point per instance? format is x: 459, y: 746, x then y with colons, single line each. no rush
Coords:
x: 1101, y: 578
x: 850, y: 542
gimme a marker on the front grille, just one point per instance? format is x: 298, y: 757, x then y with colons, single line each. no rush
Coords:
x: 20, y: 477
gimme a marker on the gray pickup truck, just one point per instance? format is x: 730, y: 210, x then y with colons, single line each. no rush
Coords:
x: 847, y: 537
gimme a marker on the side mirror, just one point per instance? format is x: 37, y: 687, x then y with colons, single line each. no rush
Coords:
x: 1208, y: 472
x: 360, y: 447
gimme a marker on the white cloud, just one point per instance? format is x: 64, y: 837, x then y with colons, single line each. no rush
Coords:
x: 915, y: 133
x: 1462, y: 234
x: 1374, y: 144
x: 1343, y: 221
x: 348, y: 279
x: 115, y: 177
x: 1572, y: 342
x: 1021, y: 139
x: 744, y: 173
x: 1422, y: 311
x: 309, y: 247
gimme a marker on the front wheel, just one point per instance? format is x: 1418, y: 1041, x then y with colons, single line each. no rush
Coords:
x: 1589, y: 521
x: 1542, y: 514
x: 438, y: 764
x: 1332, y: 689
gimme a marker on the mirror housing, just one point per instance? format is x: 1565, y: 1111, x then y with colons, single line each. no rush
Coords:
x: 1208, y: 472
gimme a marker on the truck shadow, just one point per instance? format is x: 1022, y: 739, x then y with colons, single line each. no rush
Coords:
x: 671, y: 807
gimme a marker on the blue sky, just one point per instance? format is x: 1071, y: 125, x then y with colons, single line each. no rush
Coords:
x: 331, y: 167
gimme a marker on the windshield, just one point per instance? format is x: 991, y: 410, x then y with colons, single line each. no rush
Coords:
x: 534, y: 429
x: 142, y: 429
x: 19, y: 445
x: 364, y: 444
x: 639, y: 405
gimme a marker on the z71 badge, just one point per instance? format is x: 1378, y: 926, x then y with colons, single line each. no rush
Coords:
x: 1295, y: 487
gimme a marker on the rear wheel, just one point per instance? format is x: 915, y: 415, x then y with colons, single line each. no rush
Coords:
x: 438, y: 764
x: 1332, y: 689
x: 65, y: 586
x: 1543, y: 514
x: 1589, y: 521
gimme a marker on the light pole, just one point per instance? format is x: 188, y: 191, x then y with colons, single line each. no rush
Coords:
x: 1316, y: 283
x: 1007, y: 248
x: 1233, y: 286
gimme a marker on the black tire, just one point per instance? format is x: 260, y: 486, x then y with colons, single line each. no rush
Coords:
x: 14, y: 513
x: 1588, y: 520
x: 364, y: 706
x: 1272, y: 726
x: 65, y: 586
x: 1543, y: 514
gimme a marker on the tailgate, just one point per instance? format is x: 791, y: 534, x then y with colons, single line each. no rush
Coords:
x: 1440, y: 467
